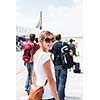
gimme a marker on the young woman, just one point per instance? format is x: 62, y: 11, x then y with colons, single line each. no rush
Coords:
x: 44, y: 68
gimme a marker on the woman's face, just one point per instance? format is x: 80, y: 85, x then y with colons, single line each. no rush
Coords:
x: 47, y: 42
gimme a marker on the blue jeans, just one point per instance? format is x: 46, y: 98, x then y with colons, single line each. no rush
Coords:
x: 29, y: 70
x: 61, y: 78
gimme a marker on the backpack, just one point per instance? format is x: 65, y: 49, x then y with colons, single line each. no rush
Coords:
x: 56, y: 49
x: 67, y: 59
x: 28, y: 55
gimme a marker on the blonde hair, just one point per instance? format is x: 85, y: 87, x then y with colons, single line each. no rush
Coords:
x: 43, y: 34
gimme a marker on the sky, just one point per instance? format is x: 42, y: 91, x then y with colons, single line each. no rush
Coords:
x: 58, y: 16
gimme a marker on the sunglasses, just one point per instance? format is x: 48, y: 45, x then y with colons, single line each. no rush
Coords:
x: 47, y: 40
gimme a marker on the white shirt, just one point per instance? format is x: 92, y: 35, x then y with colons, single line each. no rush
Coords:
x: 40, y: 74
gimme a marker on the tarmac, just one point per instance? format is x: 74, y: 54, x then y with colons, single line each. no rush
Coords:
x: 74, y: 84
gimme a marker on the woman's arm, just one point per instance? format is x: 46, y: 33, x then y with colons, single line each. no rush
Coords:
x: 52, y: 83
x: 33, y: 77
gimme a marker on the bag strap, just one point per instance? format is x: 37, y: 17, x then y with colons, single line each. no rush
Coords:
x: 45, y: 82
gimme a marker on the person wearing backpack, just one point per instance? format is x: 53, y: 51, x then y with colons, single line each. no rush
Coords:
x: 60, y: 68
x: 29, y: 49
x: 73, y: 45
